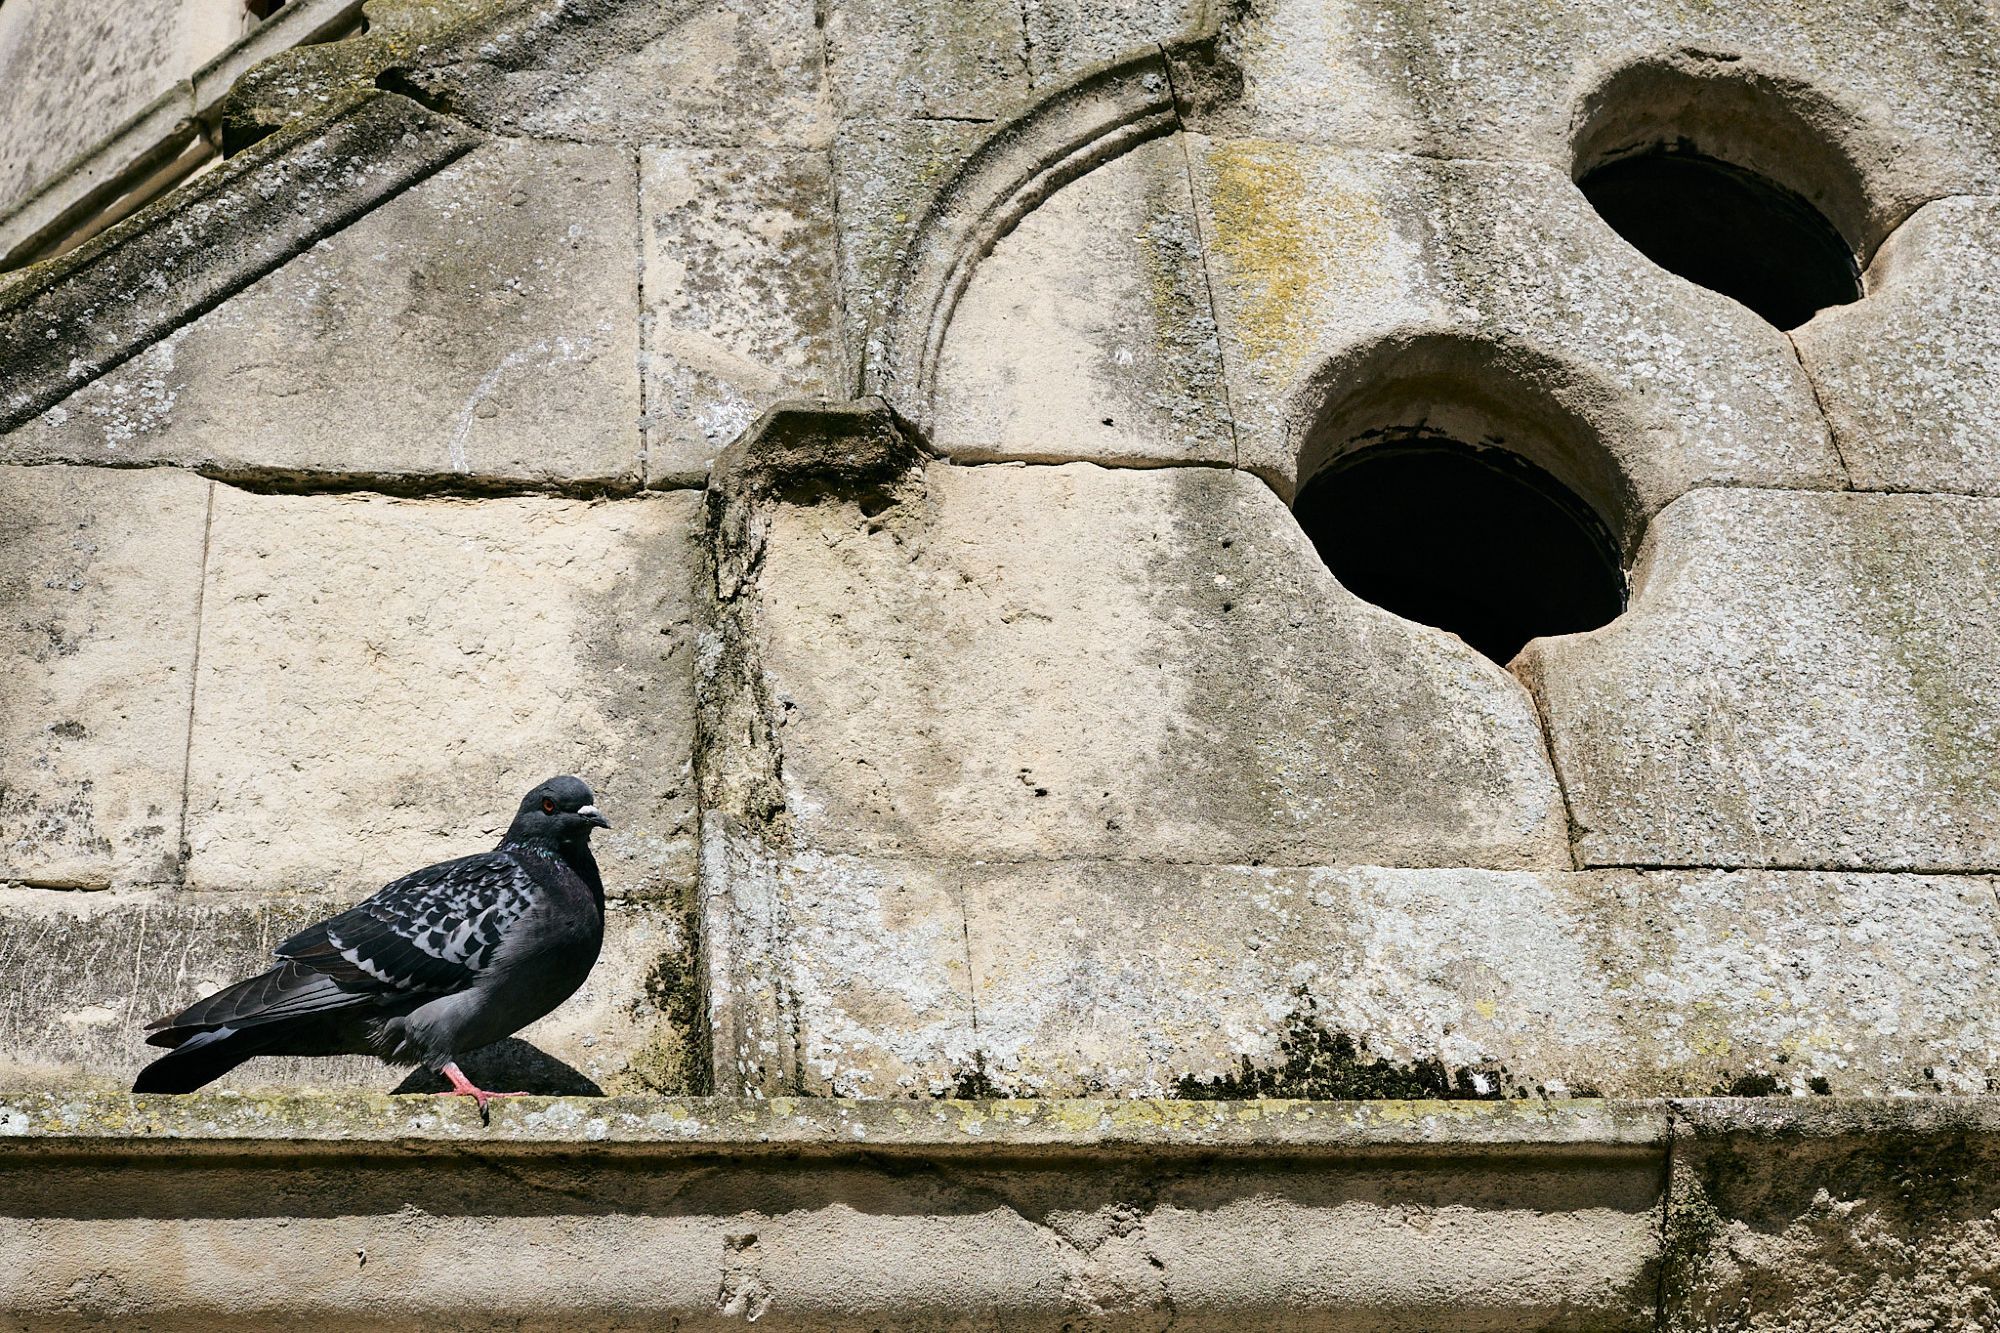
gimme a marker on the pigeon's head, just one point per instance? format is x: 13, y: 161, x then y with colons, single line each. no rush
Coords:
x: 557, y: 811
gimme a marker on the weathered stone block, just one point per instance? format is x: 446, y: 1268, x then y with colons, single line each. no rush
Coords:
x: 748, y: 72
x: 832, y: 1215
x: 69, y: 77
x: 1074, y: 661
x: 1136, y: 979
x: 877, y: 979
x: 1066, y: 36
x: 88, y: 972
x: 963, y: 61
x: 1910, y: 377
x: 381, y: 680
x: 1832, y: 1216
x: 1499, y: 79
x: 100, y: 599
x: 1802, y: 680
x: 741, y: 292
x: 1088, y: 332
x: 483, y: 323
x: 1331, y: 270
x: 886, y: 173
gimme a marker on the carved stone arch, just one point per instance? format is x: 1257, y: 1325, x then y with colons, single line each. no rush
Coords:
x: 1094, y: 119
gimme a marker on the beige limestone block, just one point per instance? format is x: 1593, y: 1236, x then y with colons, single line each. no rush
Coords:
x: 877, y: 980
x: 1802, y: 680
x: 1502, y: 79
x: 741, y: 295
x: 1065, y: 37
x: 636, y: 1214
x: 1087, y: 333
x: 71, y: 74
x: 100, y: 578
x: 699, y: 75
x: 482, y: 324
x: 1358, y: 291
x: 1910, y: 377
x: 886, y: 174
x: 88, y: 972
x: 1833, y: 1215
x: 1075, y: 661
x: 963, y: 60
x: 1104, y: 978
x: 1794, y: 982
x: 382, y: 680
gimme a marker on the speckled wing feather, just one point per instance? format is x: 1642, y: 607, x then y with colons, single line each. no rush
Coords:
x: 433, y: 931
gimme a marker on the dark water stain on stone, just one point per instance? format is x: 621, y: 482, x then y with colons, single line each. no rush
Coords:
x: 1323, y: 1065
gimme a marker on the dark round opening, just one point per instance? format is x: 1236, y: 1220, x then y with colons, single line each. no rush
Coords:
x: 1477, y: 541
x: 1728, y: 229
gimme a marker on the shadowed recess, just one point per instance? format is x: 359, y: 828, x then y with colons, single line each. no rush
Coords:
x: 1476, y: 541
x: 1727, y: 229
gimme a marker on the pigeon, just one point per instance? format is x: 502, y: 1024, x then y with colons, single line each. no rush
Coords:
x: 439, y: 962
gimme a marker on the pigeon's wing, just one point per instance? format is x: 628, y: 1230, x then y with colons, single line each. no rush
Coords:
x: 431, y: 932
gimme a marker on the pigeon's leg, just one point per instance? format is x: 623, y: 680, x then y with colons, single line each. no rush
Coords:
x: 461, y: 1086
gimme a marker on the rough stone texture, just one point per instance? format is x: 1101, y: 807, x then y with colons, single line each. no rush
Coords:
x: 1028, y: 1217
x: 381, y: 679
x: 68, y: 320
x: 482, y: 324
x: 970, y: 742
x: 1801, y: 680
x: 876, y: 980
x: 1910, y: 377
x: 1064, y: 36
x: 741, y: 296
x: 87, y: 972
x: 885, y: 175
x: 1074, y: 661
x: 100, y: 588
x: 1359, y: 290
x: 1095, y: 976
x: 614, y: 71
x: 1087, y: 333
x: 69, y: 77
x: 961, y: 61
x: 1858, y: 1216
x: 1500, y: 79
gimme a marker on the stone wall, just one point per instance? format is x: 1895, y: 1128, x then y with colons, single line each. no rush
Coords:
x: 861, y: 439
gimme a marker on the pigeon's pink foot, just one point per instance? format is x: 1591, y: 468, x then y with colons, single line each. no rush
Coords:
x: 461, y: 1086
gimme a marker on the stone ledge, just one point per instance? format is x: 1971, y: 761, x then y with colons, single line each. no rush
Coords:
x: 42, y: 1122
x: 839, y: 1127
x: 280, y: 1124
x: 219, y: 1211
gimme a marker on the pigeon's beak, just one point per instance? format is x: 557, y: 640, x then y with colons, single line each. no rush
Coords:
x: 590, y: 812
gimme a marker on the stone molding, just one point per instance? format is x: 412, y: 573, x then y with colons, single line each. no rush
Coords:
x: 946, y: 1214
x: 64, y: 323
x: 1096, y: 117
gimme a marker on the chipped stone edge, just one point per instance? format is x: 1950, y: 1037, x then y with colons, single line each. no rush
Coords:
x: 799, y: 451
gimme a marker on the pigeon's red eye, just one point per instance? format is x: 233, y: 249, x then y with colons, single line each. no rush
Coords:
x: 548, y: 806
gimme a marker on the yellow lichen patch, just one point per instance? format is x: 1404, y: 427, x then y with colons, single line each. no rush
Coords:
x: 1285, y: 237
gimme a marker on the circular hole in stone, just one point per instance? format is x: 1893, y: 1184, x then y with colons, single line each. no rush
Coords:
x: 1475, y: 540
x: 1729, y: 230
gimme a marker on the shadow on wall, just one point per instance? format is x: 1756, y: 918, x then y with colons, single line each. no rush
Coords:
x: 1732, y: 177
x: 511, y: 1065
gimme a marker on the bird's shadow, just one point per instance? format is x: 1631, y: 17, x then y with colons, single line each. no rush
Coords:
x: 511, y: 1065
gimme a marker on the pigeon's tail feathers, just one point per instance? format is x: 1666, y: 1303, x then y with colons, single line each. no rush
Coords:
x: 288, y: 991
x: 198, y: 1060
